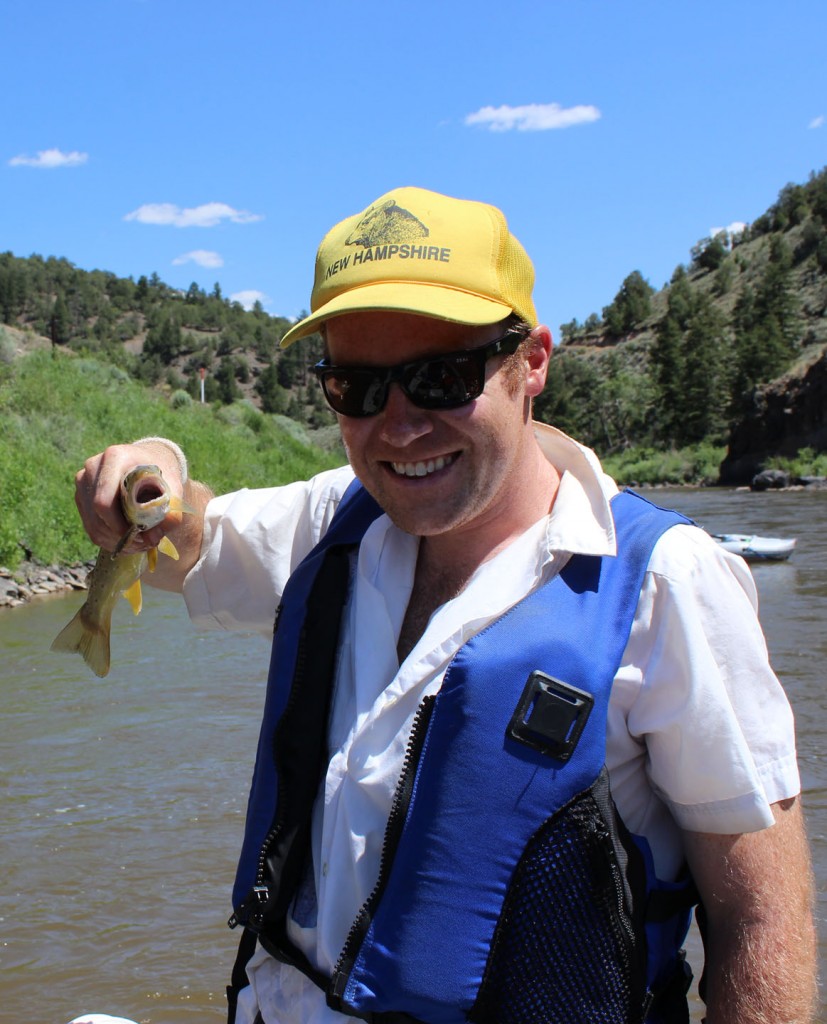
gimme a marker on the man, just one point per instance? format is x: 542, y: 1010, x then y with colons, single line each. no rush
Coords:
x: 463, y: 637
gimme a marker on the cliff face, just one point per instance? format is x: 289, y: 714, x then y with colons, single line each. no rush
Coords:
x: 787, y: 415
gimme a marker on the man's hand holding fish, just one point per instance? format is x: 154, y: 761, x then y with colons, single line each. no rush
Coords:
x: 135, y: 500
x: 99, y: 502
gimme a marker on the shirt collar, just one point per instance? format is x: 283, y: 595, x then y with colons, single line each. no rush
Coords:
x: 581, y: 519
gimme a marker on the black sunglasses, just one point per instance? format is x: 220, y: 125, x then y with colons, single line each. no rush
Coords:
x: 437, y: 382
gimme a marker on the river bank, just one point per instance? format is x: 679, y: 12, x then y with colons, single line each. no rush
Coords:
x: 30, y: 580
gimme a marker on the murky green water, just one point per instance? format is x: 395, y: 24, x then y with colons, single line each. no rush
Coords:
x: 123, y: 799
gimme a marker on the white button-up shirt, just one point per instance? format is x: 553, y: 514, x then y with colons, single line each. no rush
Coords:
x: 700, y: 734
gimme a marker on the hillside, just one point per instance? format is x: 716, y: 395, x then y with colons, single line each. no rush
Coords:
x: 58, y: 408
x: 738, y: 334
x: 161, y: 337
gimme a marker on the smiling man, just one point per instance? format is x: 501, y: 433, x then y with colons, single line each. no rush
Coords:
x: 518, y: 723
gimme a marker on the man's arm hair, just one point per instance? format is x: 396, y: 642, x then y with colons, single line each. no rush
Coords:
x: 758, y: 893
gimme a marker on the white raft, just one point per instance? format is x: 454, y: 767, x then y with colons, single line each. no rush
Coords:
x: 755, y: 548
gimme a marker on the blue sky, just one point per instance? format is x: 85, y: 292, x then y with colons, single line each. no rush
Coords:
x: 216, y: 141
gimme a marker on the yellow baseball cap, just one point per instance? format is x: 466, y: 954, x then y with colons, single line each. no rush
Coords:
x: 414, y: 251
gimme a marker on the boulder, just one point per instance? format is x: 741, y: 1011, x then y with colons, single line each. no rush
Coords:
x: 770, y: 479
x: 784, y: 417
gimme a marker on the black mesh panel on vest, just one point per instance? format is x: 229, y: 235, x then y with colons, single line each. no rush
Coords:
x: 565, y: 948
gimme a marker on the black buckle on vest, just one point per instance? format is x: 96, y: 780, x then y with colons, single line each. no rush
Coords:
x: 550, y: 716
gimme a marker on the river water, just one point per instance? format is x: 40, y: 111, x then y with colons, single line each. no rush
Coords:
x: 123, y: 798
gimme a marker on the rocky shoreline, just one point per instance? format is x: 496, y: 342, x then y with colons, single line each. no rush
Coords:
x: 30, y: 581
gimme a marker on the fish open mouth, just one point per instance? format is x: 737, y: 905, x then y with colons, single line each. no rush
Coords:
x: 147, y: 491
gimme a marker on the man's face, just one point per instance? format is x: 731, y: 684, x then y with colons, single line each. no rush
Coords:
x: 437, y: 472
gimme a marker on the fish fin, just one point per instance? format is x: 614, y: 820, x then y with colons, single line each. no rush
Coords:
x: 92, y: 644
x: 135, y: 597
x: 168, y: 548
x: 152, y: 559
x: 179, y: 505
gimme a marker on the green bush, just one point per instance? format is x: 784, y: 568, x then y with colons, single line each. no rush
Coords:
x: 180, y: 399
x: 807, y: 462
x: 697, y: 464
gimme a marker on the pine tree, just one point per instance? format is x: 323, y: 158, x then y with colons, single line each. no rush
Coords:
x: 60, y: 324
x: 766, y: 323
x: 164, y: 340
x: 690, y: 368
x: 228, y: 390
x: 667, y: 359
x: 704, y: 388
x: 273, y: 396
x: 630, y: 306
x: 12, y: 291
x: 570, y: 397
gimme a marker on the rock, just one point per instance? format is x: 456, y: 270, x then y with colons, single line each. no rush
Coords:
x: 770, y: 479
x: 786, y: 416
x: 31, y: 580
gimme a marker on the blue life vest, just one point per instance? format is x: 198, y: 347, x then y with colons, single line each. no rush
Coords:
x: 509, y: 890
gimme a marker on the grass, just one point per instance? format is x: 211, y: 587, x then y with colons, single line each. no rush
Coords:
x: 637, y: 466
x: 56, y: 410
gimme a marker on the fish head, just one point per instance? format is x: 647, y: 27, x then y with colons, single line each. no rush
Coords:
x: 145, y: 497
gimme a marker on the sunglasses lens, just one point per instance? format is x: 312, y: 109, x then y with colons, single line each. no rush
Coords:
x: 445, y: 383
x: 354, y: 392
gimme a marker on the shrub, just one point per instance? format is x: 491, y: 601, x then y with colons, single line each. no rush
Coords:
x: 180, y: 399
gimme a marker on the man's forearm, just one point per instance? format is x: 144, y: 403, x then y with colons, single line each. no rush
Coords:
x: 760, y: 974
x: 758, y: 894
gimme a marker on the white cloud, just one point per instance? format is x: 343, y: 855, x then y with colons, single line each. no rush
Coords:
x: 205, y: 216
x: 817, y: 122
x: 249, y: 298
x: 731, y: 231
x: 49, y: 158
x: 735, y: 228
x: 534, y: 117
x: 203, y: 257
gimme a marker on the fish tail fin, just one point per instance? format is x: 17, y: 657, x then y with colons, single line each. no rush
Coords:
x: 168, y: 548
x: 135, y: 597
x: 90, y: 642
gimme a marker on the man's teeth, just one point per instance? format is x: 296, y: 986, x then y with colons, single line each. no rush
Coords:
x: 422, y: 468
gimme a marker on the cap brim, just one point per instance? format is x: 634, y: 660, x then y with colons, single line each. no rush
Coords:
x: 404, y: 297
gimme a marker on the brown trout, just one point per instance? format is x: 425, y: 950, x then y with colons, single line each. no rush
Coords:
x: 145, y: 500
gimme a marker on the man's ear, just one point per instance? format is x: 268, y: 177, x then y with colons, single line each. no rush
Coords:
x: 537, y: 356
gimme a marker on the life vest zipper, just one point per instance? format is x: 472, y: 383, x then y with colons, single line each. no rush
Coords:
x: 251, y: 912
x: 393, y: 833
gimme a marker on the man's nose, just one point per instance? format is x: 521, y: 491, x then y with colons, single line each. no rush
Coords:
x: 402, y: 421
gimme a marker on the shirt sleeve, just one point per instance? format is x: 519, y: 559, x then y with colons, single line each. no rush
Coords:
x: 253, y: 539
x: 702, y: 698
